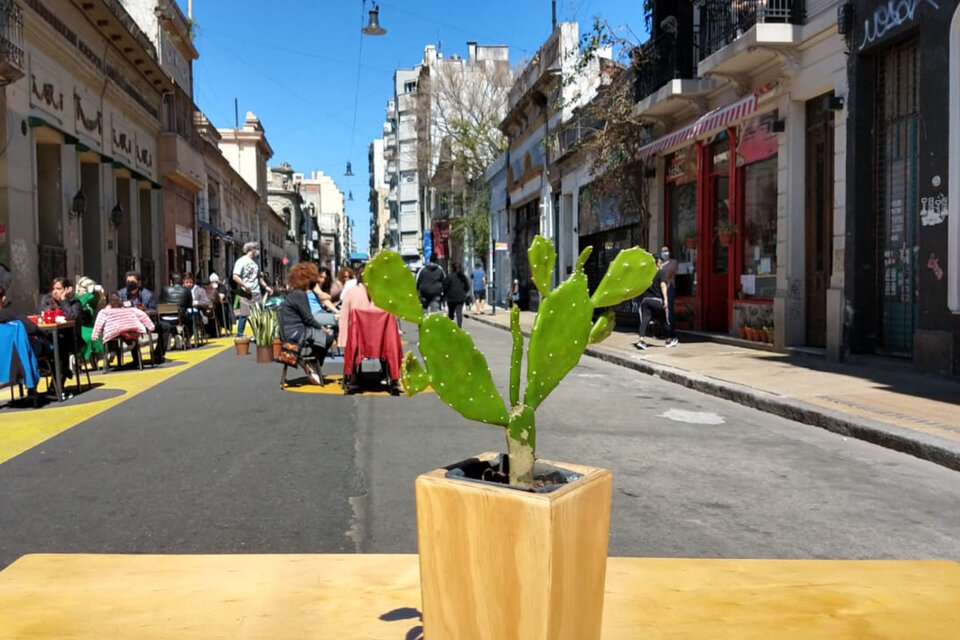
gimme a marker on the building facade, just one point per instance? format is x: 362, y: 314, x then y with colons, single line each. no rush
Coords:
x: 322, y: 196
x: 749, y: 157
x: 79, y: 175
x: 377, y: 198
x: 901, y: 257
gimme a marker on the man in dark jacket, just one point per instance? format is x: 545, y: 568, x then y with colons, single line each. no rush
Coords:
x: 430, y: 285
x: 136, y: 296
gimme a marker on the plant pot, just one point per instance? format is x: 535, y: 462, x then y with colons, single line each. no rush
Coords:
x: 751, y: 333
x: 743, y: 333
x: 770, y: 335
x: 726, y: 238
x: 265, y: 353
x: 242, y: 345
x: 276, y: 348
x: 691, y: 243
x: 510, y: 564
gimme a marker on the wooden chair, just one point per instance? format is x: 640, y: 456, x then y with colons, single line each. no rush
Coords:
x: 172, y: 313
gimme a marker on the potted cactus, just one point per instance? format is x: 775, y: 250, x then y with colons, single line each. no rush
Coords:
x: 491, y: 554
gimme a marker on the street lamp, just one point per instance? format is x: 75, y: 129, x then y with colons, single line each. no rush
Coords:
x: 116, y: 215
x: 373, y: 27
x: 79, y: 205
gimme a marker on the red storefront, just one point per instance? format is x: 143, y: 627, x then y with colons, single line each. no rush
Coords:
x: 720, y: 218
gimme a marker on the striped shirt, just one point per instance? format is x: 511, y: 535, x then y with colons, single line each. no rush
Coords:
x: 113, y: 321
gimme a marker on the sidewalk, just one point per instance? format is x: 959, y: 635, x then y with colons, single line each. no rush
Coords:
x: 884, y: 404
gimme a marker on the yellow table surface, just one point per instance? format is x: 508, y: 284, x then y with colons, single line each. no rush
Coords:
x: 344, y: 596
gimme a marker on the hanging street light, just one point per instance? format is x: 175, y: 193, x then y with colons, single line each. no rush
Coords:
x: 373, y: 28
x: 349, y: 170
x: 350, y: 196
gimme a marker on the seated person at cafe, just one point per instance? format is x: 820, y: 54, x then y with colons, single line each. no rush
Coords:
x: 116, y: 321
x: 8, y: 314
x: 61, y: 297
x: 133, y: 295
x: 199, y: 303
x: 91, y: 298
x: 298, y: 324
x: 220, y: 297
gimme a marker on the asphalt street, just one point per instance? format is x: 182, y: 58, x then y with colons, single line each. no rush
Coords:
x: 219, y: 460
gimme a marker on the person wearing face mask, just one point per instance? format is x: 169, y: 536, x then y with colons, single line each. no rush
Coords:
x: 668, y: 273
x: 657, y: 299
x: 134, y: 295
x: 248, y: 281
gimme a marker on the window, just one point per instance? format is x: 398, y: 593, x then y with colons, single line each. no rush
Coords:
x: 410, y: 87
x: 760, y: 229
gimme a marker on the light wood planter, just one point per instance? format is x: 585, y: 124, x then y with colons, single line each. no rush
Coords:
x: 505, y: 564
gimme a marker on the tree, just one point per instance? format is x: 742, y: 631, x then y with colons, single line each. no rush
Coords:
x: 609, y: 132
x: 461, y: 105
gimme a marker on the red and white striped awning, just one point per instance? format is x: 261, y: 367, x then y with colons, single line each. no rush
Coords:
x: 708, y: 123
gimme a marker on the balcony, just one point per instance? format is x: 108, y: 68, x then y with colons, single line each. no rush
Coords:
x: 11, y: 42
x: 180, y: 162
x: 737, y: 37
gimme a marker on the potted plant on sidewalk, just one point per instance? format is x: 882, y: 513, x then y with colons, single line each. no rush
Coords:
x: 511, y: 546
x: 726, y: 230
x: 242, y: 345
x: 263, y: 323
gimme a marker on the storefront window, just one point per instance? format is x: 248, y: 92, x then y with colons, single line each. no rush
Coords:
x: 759, y: 276
x: 681, y: 206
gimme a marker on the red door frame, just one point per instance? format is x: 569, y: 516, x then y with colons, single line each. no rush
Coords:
x: 706, y: 221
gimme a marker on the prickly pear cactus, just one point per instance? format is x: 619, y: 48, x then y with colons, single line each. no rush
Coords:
x: 563, y: 327
x: 392, y: 287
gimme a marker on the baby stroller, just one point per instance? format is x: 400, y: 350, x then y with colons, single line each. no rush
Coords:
x: 373, y: 335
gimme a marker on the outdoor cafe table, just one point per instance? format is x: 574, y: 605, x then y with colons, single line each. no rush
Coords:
x: 55, y: 328
x: 369, y: 596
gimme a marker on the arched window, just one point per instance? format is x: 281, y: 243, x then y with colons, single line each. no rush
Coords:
x: 953, y: 186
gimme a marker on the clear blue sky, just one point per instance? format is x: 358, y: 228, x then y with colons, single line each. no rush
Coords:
x: 301, y: 67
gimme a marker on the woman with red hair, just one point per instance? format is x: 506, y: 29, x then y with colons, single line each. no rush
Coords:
x: 298, y: 323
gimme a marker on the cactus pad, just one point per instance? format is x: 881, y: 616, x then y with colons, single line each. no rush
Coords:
x: 392, y: 287
x: 413, y: 377
x: 516, y: 355
x: 458, y: 371
x: 628, y: 275
x: 542, y: 257
x: 559, y: 336
x: 603, y: 327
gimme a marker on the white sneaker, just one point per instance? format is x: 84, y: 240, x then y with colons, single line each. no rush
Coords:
x: 641, y: 345
x: 672, y: 342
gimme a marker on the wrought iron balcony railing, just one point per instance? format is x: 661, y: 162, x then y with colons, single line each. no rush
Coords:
x: 658, y: 61
x: 11, y: 42
x: 723, y: 21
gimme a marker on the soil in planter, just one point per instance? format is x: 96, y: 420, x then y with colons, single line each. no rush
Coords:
x: 546, y: 478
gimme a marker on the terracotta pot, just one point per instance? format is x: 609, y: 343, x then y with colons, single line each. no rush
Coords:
x: 265, y: 353
x: 545, y: 558
x: 276, y: 348
x: 743, y: 333
x: 691, y: 243
x: 751, y: 333
x: 770, y: 335
x: 726, y: 238
x: 242, y: 346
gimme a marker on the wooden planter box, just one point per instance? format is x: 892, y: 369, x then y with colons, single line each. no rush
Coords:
x: 497, y: 562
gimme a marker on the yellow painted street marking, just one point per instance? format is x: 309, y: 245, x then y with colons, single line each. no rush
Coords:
x: 23, y: 430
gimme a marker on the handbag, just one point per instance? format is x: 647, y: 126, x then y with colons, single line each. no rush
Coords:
x: 289, y: 354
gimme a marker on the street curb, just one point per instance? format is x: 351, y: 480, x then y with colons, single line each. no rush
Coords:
x: 888, y: 436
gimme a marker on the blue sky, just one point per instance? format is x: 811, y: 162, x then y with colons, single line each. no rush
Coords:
x: 320, y: 92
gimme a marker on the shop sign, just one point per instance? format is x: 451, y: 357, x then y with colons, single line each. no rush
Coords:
x: 755, y: 141
x: 184, y: 236
x: 682, y: 166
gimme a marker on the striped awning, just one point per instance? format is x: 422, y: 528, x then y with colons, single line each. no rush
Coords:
x: 708, y: 123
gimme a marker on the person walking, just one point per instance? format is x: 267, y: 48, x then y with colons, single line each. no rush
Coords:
x: 455, y: 288
x: 668, y: 273
x: 654, y: 300
x: 430, y: 285
x: 479, y: 287
x: 248, y: 281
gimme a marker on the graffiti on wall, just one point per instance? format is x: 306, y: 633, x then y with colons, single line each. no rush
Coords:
x: 933, y: 210
x: 889, y: 16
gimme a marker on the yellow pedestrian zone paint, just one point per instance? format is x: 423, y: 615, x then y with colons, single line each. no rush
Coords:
x: 358, y: 596
x: 25, y: 429
x: 333, y: 386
